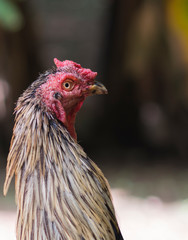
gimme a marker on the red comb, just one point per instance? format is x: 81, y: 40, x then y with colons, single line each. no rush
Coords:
x: 84, y: 72
x: 65, y: 63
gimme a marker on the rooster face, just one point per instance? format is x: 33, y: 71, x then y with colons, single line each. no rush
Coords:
x: 66, y: 89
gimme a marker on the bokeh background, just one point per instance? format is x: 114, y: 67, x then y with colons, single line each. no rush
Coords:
x: 138, y: 133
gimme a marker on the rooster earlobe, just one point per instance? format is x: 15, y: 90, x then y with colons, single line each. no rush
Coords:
x: 58, y: 63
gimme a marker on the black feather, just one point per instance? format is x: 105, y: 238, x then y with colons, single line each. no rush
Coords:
x: 117, y: 232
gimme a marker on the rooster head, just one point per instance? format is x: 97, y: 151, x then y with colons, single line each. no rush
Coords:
x: 66, y: 89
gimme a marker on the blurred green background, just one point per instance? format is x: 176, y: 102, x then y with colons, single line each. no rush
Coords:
x: 138, y: 133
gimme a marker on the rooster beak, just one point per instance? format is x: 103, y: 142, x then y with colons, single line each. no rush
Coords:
x: 97, y: 88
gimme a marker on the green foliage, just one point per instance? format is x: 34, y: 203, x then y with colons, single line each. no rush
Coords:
x: 11, y: 17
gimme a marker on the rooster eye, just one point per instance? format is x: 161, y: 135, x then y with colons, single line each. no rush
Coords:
x: 68, y: 85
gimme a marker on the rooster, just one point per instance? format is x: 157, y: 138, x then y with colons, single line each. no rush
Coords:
x: 60, y: 192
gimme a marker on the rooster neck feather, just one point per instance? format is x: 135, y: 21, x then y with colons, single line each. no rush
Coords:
x: 37, y: 138
x: 60, y: 192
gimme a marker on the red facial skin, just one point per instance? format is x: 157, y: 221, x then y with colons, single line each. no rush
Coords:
x: 68, y: 102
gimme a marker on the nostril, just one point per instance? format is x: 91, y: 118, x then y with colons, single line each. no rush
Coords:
x: 57, y: 96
